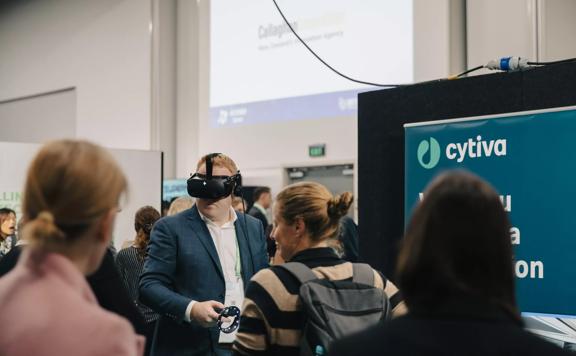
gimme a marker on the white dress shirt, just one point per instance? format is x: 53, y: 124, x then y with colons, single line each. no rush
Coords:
x: 226, y: 243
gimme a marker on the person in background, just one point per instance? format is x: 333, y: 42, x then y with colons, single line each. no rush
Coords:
x: 348, y: 239
x: 345, y: 244
x: 306, y: 215
x: 10, y: 259
x: 177, y: 205
x: 455, y: 270
x: 263, y: 200
x: 180, y: 204
x: 239, y: 204
x: 198, y: 260
x: 130, y: 263
x: 70, y: 204
x: 7, y: 230
x: 164, y: 208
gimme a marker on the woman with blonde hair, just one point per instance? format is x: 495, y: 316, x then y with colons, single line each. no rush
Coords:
x: 70, y: 203
x: 180, y: 204
x: 306, y: 217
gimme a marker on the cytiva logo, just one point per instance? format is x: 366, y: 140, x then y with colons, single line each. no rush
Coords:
x: 429, y: 150
x: 475, y: 149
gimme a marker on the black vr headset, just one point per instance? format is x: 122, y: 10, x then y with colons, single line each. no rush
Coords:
x: 208, y: 186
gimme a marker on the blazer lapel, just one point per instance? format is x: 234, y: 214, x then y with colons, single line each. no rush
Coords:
x: 245, y: 257
x: 201, y: 231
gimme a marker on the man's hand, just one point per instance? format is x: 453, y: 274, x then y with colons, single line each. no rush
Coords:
x: 204, y: 313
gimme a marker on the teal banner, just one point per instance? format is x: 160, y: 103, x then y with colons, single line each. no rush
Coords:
x: 530, y: 158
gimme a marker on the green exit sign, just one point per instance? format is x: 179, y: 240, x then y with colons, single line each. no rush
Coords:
x: 317, y: 150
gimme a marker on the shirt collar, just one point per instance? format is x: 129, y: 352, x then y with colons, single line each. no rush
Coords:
x: 227, y: 224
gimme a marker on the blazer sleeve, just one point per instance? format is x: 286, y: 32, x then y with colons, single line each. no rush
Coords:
x: 158, y: 277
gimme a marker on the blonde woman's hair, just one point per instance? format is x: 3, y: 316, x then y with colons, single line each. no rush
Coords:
x: 180, y: 204
x: 69, y: 186
x: 318, y: 208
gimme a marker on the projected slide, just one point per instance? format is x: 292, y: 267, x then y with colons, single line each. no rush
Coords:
x: 259, y: 72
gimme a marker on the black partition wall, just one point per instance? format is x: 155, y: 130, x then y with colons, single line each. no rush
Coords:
x: 382, y: 114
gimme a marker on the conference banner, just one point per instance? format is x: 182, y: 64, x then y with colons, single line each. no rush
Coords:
x: 530, y: 159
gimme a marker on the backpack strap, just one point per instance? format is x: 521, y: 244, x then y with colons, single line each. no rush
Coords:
x: 300, y: 271
x: 363, y: 274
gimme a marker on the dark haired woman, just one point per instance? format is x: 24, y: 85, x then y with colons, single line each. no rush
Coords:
x: 456, y: 276
x: 130, y: 261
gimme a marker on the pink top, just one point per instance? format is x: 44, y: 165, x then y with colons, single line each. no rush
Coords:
x: 48, y: 308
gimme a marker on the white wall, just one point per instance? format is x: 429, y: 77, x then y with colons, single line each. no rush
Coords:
x: 557, y: 30
x: 540, y: 30
x: 20, y: 118
x: 164, y: 70
x: 439, y: 38
x: 101, y: 48
x: 142, y: 170
x: 188, y: 87
x: 498, y: 29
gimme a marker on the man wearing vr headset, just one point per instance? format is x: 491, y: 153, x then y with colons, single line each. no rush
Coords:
x: 199, y: 262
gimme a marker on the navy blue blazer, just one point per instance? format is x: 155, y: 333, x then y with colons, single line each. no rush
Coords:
x: 183, y: 265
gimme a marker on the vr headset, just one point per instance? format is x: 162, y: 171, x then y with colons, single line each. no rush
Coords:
x: 208, y: 186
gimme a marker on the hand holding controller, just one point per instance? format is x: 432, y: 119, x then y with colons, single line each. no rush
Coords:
x: 206, y: 313
x: 226, y: 313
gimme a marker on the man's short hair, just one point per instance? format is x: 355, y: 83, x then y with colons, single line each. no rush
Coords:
x: 259, y: 191
x: 221, y: 160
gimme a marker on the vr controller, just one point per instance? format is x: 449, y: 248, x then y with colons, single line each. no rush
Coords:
x: 208, y: 186
x: 229, y: 312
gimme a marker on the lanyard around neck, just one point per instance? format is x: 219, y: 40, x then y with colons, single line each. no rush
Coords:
x: 237, y: 266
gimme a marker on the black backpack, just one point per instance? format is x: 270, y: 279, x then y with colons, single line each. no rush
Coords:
x: 335, y: 309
